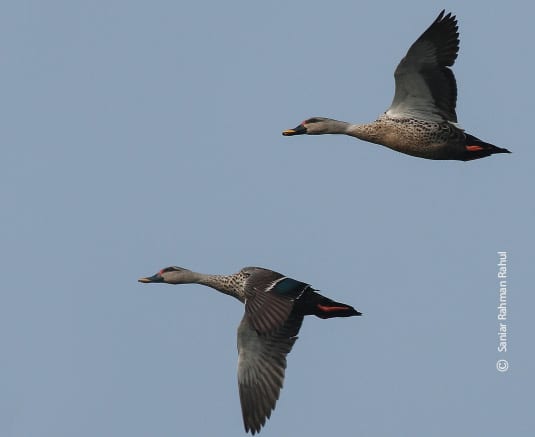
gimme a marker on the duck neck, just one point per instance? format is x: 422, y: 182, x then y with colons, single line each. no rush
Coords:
x: 226, y: 284
x: 365, y: 132
x: 337, y: 127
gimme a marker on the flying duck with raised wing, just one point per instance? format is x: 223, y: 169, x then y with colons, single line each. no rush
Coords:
x: 422, y: 120
x: 275, y: 306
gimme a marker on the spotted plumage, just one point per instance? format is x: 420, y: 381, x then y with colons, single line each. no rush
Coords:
x: 422, y: 119
x: 275, y: 306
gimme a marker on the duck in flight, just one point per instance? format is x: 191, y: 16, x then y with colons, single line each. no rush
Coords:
x: 422, y: 120
x: 275, y: 306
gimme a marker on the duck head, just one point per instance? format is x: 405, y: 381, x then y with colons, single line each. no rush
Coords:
x: 311, y: 126
x: 172, y: 275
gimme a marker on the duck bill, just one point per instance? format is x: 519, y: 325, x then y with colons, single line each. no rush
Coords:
x: 155, y: 278
x: 299, y: 130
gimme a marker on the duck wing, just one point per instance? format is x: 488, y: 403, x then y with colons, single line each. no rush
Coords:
x: 270, y: 299
x: 425, y: 85
x: 261, y: 367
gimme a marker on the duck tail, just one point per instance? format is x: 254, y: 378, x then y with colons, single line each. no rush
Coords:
x: 320, y: 306
x: 475, y: 148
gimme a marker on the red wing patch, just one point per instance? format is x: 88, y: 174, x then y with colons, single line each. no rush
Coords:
x: 327, y: 309
x: 474, y: 148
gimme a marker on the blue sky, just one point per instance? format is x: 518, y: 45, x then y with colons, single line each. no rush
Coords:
x: 138, y: 135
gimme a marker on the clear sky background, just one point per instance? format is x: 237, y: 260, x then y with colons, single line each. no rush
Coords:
x: 137, y: 135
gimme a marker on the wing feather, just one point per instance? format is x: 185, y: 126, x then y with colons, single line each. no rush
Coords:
x: 261, y: 368
x: 425, y: 85
x: 270, y: 299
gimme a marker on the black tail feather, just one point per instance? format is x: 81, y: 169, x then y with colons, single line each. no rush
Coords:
x: 313, y: 303
x: 475, y: 148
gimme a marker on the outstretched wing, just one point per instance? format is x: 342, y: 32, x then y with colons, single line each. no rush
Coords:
x: 261, y: 367
x: 425, y: 85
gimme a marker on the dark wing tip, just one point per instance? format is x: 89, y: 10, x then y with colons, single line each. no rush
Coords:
x: 444, y: 32
x: 447, y: 17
